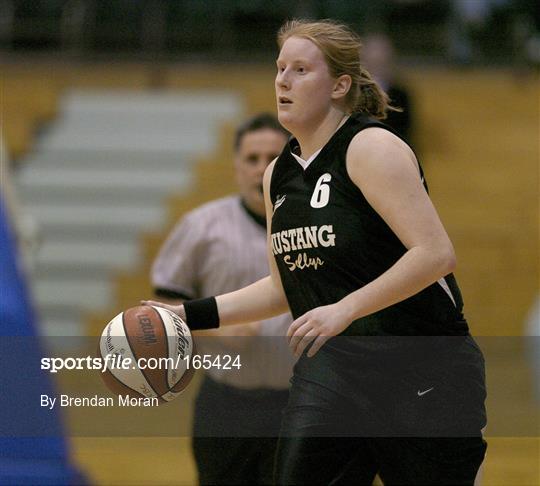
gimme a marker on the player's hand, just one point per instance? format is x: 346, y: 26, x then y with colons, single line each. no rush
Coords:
x: 177, y: 309
x: 316, y: 327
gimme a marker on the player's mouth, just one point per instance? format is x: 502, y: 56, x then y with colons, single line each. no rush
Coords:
x: 283, y: 100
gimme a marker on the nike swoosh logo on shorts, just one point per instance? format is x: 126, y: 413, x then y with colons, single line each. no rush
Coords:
x: 421, y: 393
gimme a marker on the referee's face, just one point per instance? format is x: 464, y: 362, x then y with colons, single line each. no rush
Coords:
x: 255, y: 151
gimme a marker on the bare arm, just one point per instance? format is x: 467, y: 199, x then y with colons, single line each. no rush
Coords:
x: 386, y: 171
x: 261, y: 300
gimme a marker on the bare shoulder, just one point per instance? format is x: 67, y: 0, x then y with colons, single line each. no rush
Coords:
x: 268, y: 173
x: 379, y: 150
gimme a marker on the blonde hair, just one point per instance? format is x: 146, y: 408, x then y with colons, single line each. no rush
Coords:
x: 341, y: 49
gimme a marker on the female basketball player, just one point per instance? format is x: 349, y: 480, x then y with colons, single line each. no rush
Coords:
x: 359, y: 255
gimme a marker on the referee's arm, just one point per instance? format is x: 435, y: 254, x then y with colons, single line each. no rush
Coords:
x: 265, y: 298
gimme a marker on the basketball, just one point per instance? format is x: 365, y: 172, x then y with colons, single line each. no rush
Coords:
x: 146, y: 352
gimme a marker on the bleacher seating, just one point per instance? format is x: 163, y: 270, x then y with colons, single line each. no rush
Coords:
x: 97, y: 179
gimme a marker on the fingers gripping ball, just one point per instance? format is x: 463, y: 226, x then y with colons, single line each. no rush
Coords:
x: 146, y: 351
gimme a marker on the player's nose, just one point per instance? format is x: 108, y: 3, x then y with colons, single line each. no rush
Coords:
x: 282, y: 80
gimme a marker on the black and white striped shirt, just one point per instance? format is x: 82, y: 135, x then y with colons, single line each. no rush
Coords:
x: 218, y: 248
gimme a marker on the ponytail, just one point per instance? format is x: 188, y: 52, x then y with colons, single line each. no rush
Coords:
x: 371, y: 99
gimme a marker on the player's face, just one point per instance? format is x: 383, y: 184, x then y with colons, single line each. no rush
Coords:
x: 303, y: 85
x: 256, y: 150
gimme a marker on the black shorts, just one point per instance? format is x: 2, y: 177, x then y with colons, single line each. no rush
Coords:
x: 235, y: 433
x: 412, y: 419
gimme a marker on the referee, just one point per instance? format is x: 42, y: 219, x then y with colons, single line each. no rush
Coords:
x: 217, y: 248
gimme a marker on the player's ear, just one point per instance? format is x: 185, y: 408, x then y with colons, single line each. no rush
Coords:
x: 341, y: 87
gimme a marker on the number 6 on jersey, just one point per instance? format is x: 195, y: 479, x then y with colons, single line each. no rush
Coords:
x: 321, y: 193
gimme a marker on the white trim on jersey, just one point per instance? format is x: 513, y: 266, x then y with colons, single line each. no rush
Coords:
x: 444, y: 285
x: 305, y: 163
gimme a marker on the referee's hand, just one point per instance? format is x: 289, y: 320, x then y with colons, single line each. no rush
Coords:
x: 177, y: 309
x: 316, y: 327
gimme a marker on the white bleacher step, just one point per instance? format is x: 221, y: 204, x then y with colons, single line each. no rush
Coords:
x: 129, y: 122
x: 83, y: 294
x: 64, y: 336
x: 111, y: 134
x: 213, y: 103
x: 102, y: 254
x: 110, y: 195
x: 99, y: 255
x: 96, y: 232
x: 91, y: 179
x: 112, y: 160
x: 52, y: 218
x: 61, y: 321
x: 69, y: 270
x: 57, y: 310
x: 133, y: 124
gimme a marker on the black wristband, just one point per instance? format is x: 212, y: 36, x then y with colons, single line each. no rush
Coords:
x: 202, y: 313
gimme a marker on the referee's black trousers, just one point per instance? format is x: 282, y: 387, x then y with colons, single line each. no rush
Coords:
x: 235, y: 433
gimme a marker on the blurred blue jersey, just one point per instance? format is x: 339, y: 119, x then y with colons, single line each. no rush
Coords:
x: 25, y: 458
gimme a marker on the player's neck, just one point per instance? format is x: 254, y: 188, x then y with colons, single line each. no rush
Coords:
x: 317, y: 136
